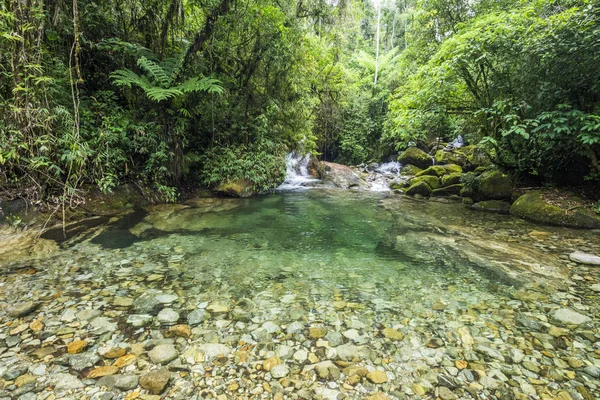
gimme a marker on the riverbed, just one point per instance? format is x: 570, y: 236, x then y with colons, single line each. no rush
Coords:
x: 308, y: 294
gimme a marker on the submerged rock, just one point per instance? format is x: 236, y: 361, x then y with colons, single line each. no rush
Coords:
x: 569, y: 317
x: 584, y: 258
x: 497, y: 206
x: 22, y: 309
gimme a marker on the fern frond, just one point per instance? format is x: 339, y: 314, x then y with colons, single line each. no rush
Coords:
x: 154, y: 69
x: 158, y: 94
x: 125, y: 77
x: 204, y: 84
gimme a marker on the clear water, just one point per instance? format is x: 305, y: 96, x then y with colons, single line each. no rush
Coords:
x: 324, y: 258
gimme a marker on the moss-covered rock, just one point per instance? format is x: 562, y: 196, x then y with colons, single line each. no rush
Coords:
x: 497, y: 206
x: 432, y: 181
x: 452, y: 168
x: 419, y: 188
x: 476, y: 156
x: 410, y: 170
x: 532, y: 206
x: 451, y: 179
x: 434, y: 170
x: 396, y: 185
x: 447, y: 191
x: 237, y: 188
x: 415, y: 156
x: 492, y: 185
x: 451, y: 157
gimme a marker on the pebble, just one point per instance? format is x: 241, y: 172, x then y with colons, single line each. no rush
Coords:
x: 163, y: 354
x: 155, y: 381
x: 377, y: 376
x: 279, y: 371
x: 167, y: 316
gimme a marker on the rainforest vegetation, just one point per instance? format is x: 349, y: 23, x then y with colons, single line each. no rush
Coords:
x: 171, y: 93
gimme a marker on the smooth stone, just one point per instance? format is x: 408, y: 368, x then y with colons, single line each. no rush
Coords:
x: 14, y: 372
x: 488, y: 351
x: 163, y: 354
x: 81, y: 361
x: 101, y: 325
x: 22, y: 309
x: 123, y: 301
x: 126, y: 382
x: 156, y: 381
x: 213, y: 350
x: 196, y: 317
x: 300, y: 356
x: 103, y: 396
x: 167, y: 316
x: 393, y: 334
x: 271, y: 327
x: 87, y: 315
x: 139, y: 320
x: 595, y: 287
x: 280, y: 371
x: 377, y: 376
x: 569, y: 317
x: 166, y: 298
x: 334, y: 338
x: 147, y: 303
x: 584, y: 258
x: 63, y: 382
x: 348, y: 352
x: 295, y: 327
x: 592, y: 370
x: 68, y: 315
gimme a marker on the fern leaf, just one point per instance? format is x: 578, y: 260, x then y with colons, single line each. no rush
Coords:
x: 203, y: 84
x: 154, y: 69
x: 159, y: 94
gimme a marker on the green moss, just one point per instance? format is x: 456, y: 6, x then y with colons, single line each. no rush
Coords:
x: 452, y: 168
x: 432, y: 181
x: 493, y: 185
x: 415, y: 156
x: 451, y: 179
x: 420, y: 188
x: 410, y: 170
x: 396, y: 185
x: 237, y: 188
x: 531, y: 206
x: 453, y: 157
x: 447, y: 191
x: 434, y: 170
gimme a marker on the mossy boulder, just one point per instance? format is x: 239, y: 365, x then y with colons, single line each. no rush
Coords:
x: 452, y: 168
x: 451, y: 157
x: 410, y: 170
x: 236, y: 188
x: 415, y: 156
x: 497, y: 206
x: 451, y: 179
x: 492, y: 185
x: 434, y: 170
x: 419, y: 188
x: 447, y: 191
x: 432, y: 181
x: 476, y: 156
x: 396, y: 185
x: 532, y: 206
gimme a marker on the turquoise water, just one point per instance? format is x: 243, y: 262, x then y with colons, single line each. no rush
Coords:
x: 351, y: 262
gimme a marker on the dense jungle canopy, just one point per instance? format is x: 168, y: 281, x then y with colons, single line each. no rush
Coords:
x: 171, y: 93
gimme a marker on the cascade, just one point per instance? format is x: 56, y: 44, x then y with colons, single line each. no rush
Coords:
x: 297, y: 176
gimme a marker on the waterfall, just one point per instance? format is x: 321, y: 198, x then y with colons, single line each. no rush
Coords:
x: 297, y: 176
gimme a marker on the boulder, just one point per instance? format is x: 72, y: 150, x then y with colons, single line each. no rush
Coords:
x: 421, y: 188
x: 451, y: 157
x: 492, y: 185
x: 532, y: 206
x: 452, y: 168
x: 476, y: 156
x: 340, y: 176
x: 497, y: 206
x: 415, y: 156
x: 434, y: 170
x: 511, y: 262
x: 451, y: 179
x: 236, y: 188
x: 410, y: 170
x: 432, y: 181
x: 447, y: 191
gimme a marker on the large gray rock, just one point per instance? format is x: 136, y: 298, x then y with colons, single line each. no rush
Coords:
x: 147, y: 303
x: 584, y: 258
x: 340, y: 176
x: 22, y: 309
x: 64, y: 382
x: 567, y: 316
x: 167, y: 316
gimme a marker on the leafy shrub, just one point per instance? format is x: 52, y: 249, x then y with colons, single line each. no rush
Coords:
x: 262, y: 163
